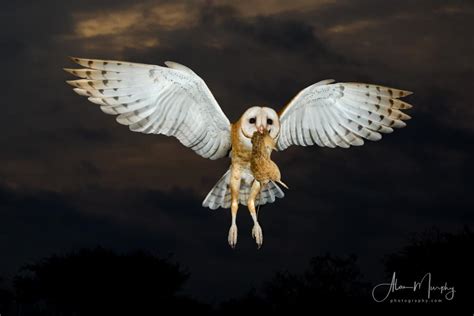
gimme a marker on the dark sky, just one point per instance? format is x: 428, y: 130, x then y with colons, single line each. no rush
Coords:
x: 71, y: 177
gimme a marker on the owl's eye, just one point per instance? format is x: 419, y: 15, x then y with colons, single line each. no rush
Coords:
x: 269, y: 121
x: 252, y: 120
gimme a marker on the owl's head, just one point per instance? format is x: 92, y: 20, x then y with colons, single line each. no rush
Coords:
x: 259, y: 119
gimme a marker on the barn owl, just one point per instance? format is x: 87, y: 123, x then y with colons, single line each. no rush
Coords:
x: 175, y: 101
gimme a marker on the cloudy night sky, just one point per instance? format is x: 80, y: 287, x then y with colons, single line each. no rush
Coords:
x: 71, y: 177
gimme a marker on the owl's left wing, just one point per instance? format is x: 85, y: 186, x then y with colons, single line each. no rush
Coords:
x: 172, y: 100
x: 341, y: 114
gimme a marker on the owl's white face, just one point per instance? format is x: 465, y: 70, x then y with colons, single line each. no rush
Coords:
x: 258, y: 119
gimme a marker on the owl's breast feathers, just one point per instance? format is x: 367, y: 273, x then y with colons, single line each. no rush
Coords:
x: 241, y: 146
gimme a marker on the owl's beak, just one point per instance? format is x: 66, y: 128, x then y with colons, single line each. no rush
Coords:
x: 261, y: 129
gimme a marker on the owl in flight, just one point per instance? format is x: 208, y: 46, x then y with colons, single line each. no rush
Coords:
x: 175, y: 101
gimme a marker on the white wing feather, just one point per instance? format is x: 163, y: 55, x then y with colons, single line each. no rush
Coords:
x: 341, y: 114
x: 173, y: 101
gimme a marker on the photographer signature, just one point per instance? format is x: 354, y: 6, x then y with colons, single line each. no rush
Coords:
x: 382, y: 291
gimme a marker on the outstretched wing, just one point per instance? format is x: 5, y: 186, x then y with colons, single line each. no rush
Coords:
x: 173, y: 101
x: 341, y: 114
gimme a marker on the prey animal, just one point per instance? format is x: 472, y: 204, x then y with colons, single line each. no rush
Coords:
x: 175, y: 101
x: 262, y: 166
x: 263, y: 170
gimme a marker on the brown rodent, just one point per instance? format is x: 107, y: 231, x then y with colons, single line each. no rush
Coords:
x: 261, y: 165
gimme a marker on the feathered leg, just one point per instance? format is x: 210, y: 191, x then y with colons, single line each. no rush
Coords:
x: 234, y: 192
x: 257, y: 233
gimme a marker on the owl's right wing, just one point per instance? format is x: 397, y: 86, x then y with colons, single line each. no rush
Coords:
x: 341, y: 114
x: 172, y: 101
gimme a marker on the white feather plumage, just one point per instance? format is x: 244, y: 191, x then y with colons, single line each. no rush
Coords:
x: 173, y: 101
x: 341, y: 114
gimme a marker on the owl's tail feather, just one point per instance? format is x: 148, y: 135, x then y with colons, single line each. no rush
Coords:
x: 219, y: 196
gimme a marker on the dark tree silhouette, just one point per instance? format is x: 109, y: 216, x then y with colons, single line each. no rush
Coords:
x: 336, y: 284
x: 249, y: 302
x: 101, y: 282
x: 329, y: 282
x: 447, y: 256
x: 6, y: 298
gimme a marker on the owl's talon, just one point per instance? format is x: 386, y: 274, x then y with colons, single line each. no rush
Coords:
x: 257, y: 234
x: 232, y: 236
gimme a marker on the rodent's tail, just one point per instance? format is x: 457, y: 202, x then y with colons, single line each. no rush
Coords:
x: 283, y: 184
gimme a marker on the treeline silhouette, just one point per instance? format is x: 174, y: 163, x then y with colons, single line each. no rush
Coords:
x: 335, y: 284
x: 102, y: 282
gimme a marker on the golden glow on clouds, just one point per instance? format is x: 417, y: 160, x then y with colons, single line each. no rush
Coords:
x: 455, y: 9
x: 136, y: 18
x: 176, y: 15
x: 150, y: 42
x: 353, y: 27
x: 106, y: 24
x: 130, y: 27
x: 173, y: 15
x: 270, y: 7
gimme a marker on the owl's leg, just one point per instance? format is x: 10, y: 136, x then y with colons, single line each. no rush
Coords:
x: 257, y: 233
x: 234, y: 193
